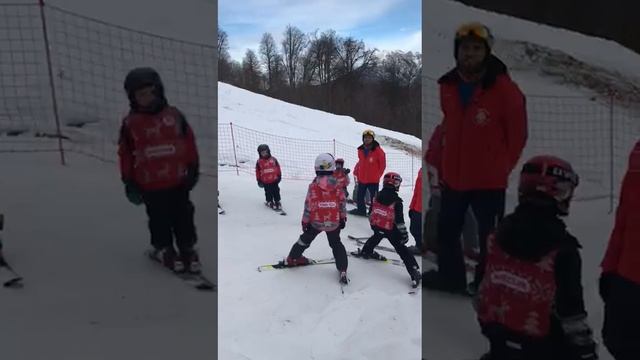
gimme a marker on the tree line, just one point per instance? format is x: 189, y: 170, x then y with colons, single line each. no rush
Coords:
x: 328, y: 72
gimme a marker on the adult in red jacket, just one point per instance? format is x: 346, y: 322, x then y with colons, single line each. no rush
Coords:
x: 485, y: 127
x: 159, y: 167
x: 371, y: 165
x: 415, y: 215
x: 620, y: 279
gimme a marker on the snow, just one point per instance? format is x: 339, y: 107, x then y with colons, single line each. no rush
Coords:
x: 301, y: 313
x: 296, y: 135
x: 90, y: 293
x: 269, y: 115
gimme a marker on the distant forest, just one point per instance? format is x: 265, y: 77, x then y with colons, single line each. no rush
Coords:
x: 615, y: 20
x: 324, y: 71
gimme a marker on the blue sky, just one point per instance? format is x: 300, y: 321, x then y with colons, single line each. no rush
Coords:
x: 383, y: 24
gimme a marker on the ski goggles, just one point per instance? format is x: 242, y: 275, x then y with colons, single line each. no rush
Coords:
x: 476, y: 30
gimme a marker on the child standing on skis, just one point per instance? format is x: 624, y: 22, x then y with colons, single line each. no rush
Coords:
x: 159, y: 167
x: 325, y: 209
x: 530, y: 303
x: 268, y: 175
x: 387, y: 221
x: 342, y: 175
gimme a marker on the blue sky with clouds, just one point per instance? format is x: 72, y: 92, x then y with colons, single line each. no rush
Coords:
x: 383, y: 24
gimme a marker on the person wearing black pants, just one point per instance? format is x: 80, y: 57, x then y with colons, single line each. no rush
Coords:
x: 372, y: 189
x: 307, y: 237
x: 272, y: 193
x: 171, y: 214
x: 387, y: 221
x: 488, y: 208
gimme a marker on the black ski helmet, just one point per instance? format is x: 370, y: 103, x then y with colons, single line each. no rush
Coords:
x: 473, y: 30
x: 142, y: 77
x: 263, y: 147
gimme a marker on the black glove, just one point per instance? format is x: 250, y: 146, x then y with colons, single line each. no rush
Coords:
x: 134, y: 195
x: 604, y: 284
x: 260, y: 184
x: 403, y: 233
x: 305, y: 226
x: 193, y: 175
x: 347, y: 171
x: 343, y: 223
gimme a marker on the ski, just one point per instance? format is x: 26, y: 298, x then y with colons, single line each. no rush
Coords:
x: 278, y: 211
x: 385, y: 261
x: 470, y: 264
x: 221, y: 211
x: 281, y: 264
x: 8, y: 276
x: 198, y: 281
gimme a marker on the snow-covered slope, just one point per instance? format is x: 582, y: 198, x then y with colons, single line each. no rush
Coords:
x: 296, y: 135
x: 90, y: 293
x: 301, y: 313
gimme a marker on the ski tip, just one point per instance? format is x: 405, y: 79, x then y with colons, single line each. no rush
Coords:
x: 14, y: 283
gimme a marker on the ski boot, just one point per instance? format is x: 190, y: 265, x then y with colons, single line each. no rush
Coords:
x: 191, y: 261
x: 277, y: 206
x: 168, y: 257
x: 416, y: 276
x: 343, y: 278
x: 365, y: 255
x: 299, y: 261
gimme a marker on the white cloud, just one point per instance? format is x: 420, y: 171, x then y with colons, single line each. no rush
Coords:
x: 409, y: 42
x: 273, y: 16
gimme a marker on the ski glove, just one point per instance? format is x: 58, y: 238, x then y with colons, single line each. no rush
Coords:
x: 604, y: 284
x: 133, y: 194
x: 260, y: 184
x: 347, y: 171
x: 343, y: 223
x: 305, y: 226
x: 403, y: 233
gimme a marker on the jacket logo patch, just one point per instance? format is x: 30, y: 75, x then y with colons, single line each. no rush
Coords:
x: 511, y: 281
x: 159, y: 151
x: 482, y: 117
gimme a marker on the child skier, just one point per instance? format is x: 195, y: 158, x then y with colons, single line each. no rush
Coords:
x: 268, y: 175
x: 342, y: 175
x: 387, y: 221
x: 619, y: 284
x: 530, y: 303
x: 325, y: 209
x: 159, y: 166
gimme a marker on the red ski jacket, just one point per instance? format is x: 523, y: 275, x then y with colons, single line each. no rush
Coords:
x: 623, y: 252
x: 325, y: 204
x: 156, y: 150
x: 416, y: 200
x: 517, y: 294
x: 268, y: 170
x: 370, y: 167
x: 484, y: 140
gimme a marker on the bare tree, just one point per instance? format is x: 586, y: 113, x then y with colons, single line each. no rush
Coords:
x: 268, y: 54
x: 353, y: 56
x: 293, y: 46
x: 251, y: 71
x: 224, y: 67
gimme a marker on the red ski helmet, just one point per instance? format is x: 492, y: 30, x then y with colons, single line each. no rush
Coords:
x: 392, y: 179
x: 547, y: 178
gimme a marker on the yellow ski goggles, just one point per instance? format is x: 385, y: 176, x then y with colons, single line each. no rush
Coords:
x: 476, y: 30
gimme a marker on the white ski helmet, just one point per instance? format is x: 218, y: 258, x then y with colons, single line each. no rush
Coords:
x: 325, y: 164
